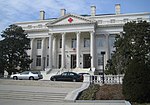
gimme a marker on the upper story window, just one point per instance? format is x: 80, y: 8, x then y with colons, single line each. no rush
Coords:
x: 60, y: 43
x: 101, y: 41
x: 139, y: 19
x: 111, y: 41
x: 100, y: 21
x: 125, y: 20
x: 112, y: 20
x: 73, y: 43
x: 86, y: 42
x: 48, y: 43
x: 39, y: 43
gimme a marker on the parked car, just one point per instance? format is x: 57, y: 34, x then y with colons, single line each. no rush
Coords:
x: 82, y: 75
x: 27, y: 75
x: 66, y: 76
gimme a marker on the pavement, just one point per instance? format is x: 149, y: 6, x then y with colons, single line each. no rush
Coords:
x: 25, y: 92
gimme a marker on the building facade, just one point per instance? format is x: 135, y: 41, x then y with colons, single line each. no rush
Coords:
x: 75, y: 42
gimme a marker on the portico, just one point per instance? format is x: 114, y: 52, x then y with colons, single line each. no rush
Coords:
x: 74, y: 27
x: 70, y: 52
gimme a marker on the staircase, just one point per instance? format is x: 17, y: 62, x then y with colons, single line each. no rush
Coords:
x: 32, y: 96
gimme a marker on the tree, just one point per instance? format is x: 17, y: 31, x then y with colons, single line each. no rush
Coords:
x: 14, y: 46
x: 134, y: 41
x: 136, y: 83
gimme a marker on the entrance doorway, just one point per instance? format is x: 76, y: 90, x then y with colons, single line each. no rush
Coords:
x: 73, y: 61
x: 86, y: 61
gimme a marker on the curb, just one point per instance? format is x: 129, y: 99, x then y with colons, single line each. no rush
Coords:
x: 72, y: 96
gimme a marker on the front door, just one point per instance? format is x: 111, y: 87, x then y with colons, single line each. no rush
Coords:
x: 86, y: 61
x: 73, y: 61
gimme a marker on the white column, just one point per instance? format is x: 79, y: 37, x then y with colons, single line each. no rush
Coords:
x: 78, y: 50
x: 92, y: 49
x: 63, y: 51
x: 50, y: 50
x: 54, y: 52
x: 43, y: 53
x: 32, y: 56
x: 107, y: 47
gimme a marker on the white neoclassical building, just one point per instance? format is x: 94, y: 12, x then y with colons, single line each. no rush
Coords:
x: 75, y: 42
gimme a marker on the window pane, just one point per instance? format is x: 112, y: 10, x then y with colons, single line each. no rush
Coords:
x: 86, y: 42
x: 38, y: 60
x: 39, y: 42
x: 60, y: 43
x: 47, y: 60
x: 111, y: 41
x: 101, y: 41
x: 73, y: 44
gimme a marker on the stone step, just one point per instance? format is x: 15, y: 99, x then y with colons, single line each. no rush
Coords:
x: 41, y: 83
x: 32, y: 96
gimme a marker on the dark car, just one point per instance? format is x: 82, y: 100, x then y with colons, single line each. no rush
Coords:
x: 66, y: 76
x: 82, y: 75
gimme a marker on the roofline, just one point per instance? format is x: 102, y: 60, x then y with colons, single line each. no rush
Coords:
x: 89, y: 16
x: 128, y: 14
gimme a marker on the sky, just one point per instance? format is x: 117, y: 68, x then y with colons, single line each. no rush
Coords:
x: 12, y: 11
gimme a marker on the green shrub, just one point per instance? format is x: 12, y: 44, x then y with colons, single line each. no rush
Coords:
x: 89, y: 93
x: 136, y: 83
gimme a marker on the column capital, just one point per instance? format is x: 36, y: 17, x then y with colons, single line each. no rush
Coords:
x: 50, y: 33
x: 78, y: 32
x: 92, y: 32
x: 63, y: 33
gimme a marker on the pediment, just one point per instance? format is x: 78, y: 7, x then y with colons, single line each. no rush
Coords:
x: 70, y: 19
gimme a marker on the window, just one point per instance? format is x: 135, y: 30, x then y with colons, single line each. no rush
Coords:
x: 125, y: 20
x: 101, y: 41
x: 112, y: 20
x: 100, y: 21
x: 111, y: 41
x: 60, y: 43
x: 86, y: 42
x: 100, y: 60
x: 139, y: 19
x: 39, y: 42
x: 73, y: 43
x: 25, y: 72
x: 38, y: 60
x: 47, y: 60
x: 48, y: 43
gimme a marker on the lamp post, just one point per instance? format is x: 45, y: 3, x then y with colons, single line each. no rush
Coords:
x: 103, y: 53
x: 44, y: 63
x: 90, y: 61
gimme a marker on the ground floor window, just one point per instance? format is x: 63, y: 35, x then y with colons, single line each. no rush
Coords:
x: 47, y: 60
x: 38, y: 60
x: 86, y: 61
x: 59, y: 63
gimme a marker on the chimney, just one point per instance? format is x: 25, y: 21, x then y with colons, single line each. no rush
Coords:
x: 117, y: 8
x: 42, y: 15
x: 93, y: 10
x: 62, y: 12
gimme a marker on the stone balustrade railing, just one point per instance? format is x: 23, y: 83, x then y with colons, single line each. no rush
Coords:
x: 108, y: 79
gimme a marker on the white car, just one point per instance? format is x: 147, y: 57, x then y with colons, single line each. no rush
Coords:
x: 27, y: 75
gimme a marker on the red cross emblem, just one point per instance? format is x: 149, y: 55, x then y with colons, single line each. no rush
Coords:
x: 70, y: 20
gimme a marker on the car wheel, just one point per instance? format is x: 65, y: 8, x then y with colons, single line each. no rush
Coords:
x: 31, y: 78
x: 15, y: 78
x: 54, y: 79
x: 74, y: 80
